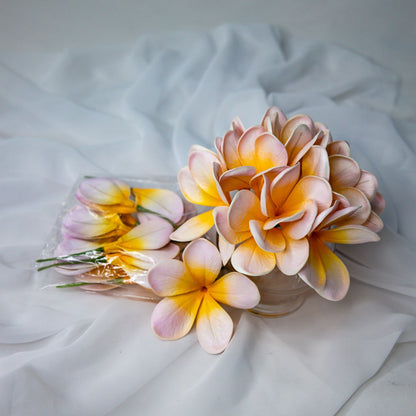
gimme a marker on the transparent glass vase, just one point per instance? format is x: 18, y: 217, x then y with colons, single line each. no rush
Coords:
x: 279, y: 294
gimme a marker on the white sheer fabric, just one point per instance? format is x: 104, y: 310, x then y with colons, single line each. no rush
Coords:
x: 135, y: 111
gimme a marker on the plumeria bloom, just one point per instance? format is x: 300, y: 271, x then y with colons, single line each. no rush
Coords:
x: 271, y: 229
x: 135, y: 252
x: 82, y: 223
x: 192, y: 290
x: 106, y: 195
x: 114, y: 196
x: 324, y: 271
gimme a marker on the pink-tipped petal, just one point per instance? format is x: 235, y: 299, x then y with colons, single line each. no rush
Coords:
x: 193, y: 192
x: 194, y: 228
x: 237, y: 178
x: 300, y: 141
x: 316, y: 163
x: 309, y: 188
x: 237, y: 126
x: 348, y: 234
x: 224, y: 230
x: 344, y: 172
x: 274, y: 117
x: 226, y: 249
x: 162, y: 201
x: 367, y: 184
x: 149, y: 235
x: 173, y: 317
x: 216, y: 174
x: 230, y: 150
x: 340, y: 147
x: 287, y: 216
x: 267, y: 206
x: 170, y: 278
x: 244, y: 207
x: 313, y: 273
x: 104, y: 191
x: 269, y: 153
x: 302, y: 227
x: 283, y: 184
x: 291, y: 125
x: 203, y: 261
x: 146, y: 259
x: 293, y: 257
x: 336, y: 216
x: 236, y: 290
x: 214, y: 327
x: 378, y: 203
x: 250, y: 259
x: 269, y: 240
x: 374, y: 222
x: 358, y: 199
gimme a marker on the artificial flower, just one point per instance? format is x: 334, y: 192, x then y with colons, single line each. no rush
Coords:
x: 192, y: 290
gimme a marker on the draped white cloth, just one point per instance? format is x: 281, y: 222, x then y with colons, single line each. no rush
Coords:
x: 135, y: 111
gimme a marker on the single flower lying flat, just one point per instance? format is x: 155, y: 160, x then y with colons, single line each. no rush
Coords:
x: 191, y: 291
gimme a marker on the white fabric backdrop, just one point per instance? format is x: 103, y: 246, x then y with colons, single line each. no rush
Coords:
x: 135, y: 111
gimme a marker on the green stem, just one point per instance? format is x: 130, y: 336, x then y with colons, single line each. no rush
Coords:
x: 98, y: 260
x: 139, y: 208
x: 92, y: 251
x: 114, y: 281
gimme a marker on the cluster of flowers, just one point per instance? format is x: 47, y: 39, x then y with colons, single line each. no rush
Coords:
x: 281, y: 193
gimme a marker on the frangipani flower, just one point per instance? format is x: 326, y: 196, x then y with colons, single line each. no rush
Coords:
x: 106, y: 195
x: 82, y: 223
x: 271, y: 230
x: 324, y: 271
x: 192, y: 290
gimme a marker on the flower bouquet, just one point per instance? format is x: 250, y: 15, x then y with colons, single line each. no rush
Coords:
x: 269, y: 202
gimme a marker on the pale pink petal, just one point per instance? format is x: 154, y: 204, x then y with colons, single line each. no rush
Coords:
x: 148, y: 258
x: 170, y: 278
x: 200, y: 166
x: 274, y: 117
x: 287, y: 216
x: 337, y: 276
x: 173, y: 317
x: 230, y: 150
x: 269, y: 240
x: 341, y: 199
x: 244, y: 207
x: 358, y: 199
x: 324, y: 137
x: 267, y: 206
x: 237, y: 126
x: 163, y: 201
x: 340, y: 147
x: 294, y: 122
x: 250, y: 259
x: 348, y: 234
x: 378, y: 203
x: 216, y: 174
x: 367, y: 184
x: 246, y: 145
x: 74, y: 245
x: 194, y: 228
x: 149, y: 235
x: 316, y: 163
x: 193, y: 192
x: 226, y: 249
x: 293, y: 257
x: 283, y: 184
x: 237, y: 178
x: 269, y: 153
x: 214, y: 327
x: 344, y: 172
x: 103, y: 191
x: 323, y: 215
x: 300, y: 228
x: 309, y: 188
x: 236, y: 290
x: 374, y: 222
x: 337, y: 216
x: 203, y: 261
x: 256, y: 181
x: 300, y: 138
x: 224, y: 229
